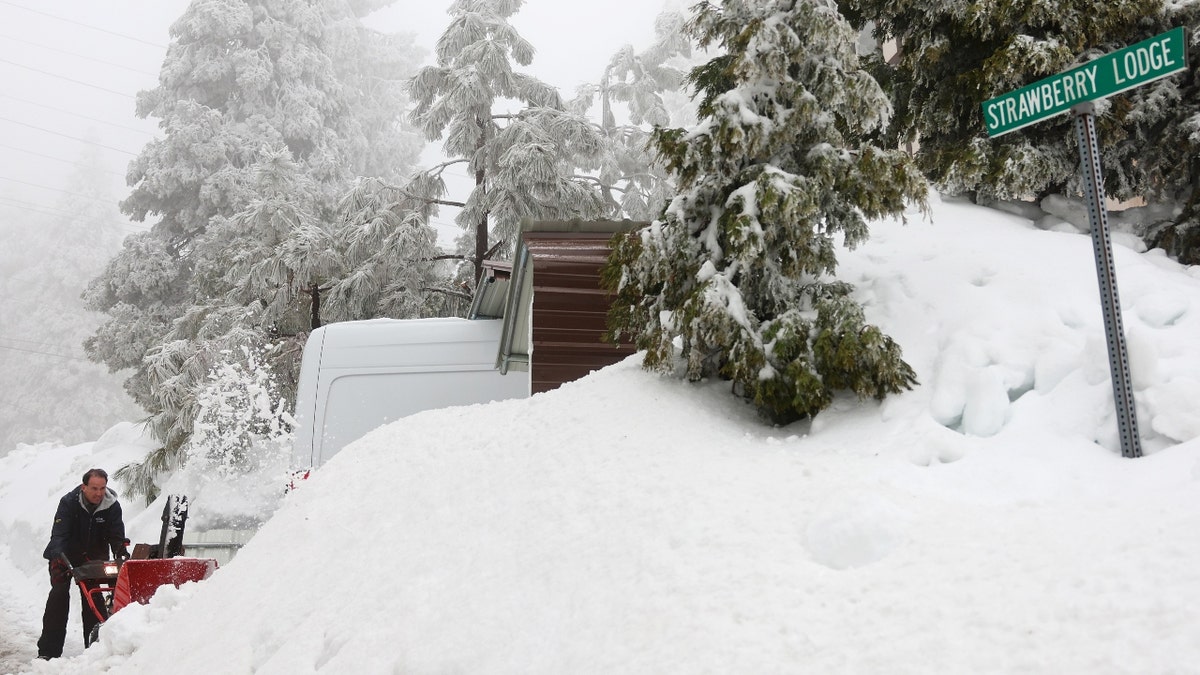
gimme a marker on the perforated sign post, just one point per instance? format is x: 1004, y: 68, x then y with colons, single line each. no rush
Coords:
x: 1075, y: 90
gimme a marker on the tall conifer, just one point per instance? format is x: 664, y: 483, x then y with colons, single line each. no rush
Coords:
x: 740, y: 267
x: 252, y: 95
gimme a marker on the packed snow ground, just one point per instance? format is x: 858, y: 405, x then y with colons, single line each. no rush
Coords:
x: 984, y: 522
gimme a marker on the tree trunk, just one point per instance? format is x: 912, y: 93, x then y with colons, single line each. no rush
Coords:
x: 481, y: 232
x: 481, y: 228
x: 315, y: 292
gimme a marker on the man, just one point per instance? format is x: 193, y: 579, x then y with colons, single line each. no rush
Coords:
x: 87, y: 525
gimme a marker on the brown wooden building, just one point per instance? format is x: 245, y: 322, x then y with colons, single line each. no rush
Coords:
x: 550, y: 299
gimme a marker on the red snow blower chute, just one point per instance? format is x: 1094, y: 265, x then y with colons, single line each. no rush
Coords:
x: 110, y: 585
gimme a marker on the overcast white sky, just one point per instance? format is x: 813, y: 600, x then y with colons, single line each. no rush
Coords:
x: 70, y: 70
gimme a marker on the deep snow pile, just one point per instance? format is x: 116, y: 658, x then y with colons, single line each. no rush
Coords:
x: 984, y: 522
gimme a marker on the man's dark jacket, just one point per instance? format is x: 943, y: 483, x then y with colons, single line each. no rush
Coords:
x: 86, y: 534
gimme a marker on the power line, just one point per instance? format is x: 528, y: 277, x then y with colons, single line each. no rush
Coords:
x: 80, y: 56
x: 10, y: 404
x: 21, y: 205
x: 63, y: 77
x: 60, y: 159
x: 74, y: 138
x: 72, y: 112
x: 34, y: 351
x: 80, y: 23
x: 47, y: 187
x: 32, y: 342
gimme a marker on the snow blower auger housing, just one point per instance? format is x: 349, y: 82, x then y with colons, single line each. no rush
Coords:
x: 110, y: 585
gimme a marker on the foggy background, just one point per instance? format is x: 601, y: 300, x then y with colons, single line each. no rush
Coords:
x: 70, y: 72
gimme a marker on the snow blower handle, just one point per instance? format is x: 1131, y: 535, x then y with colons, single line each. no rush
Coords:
x: 61, y: 567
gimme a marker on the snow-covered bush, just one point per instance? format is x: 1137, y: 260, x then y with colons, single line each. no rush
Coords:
x: 738, y: 274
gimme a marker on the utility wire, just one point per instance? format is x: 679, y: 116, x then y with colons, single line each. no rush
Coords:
x: 80, y: 23
x: 33, y: 342
x: 20, y: 205
x: 10, y: 404
x: 63, y: 77
x: 34, y: 351
x: 74, y: 138
x: 80, y: 56
x: 60, y: 159
x: 72, y: 112
x: 47, y: 187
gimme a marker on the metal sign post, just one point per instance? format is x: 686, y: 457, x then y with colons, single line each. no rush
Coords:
x: 1074, y: 90
x: 1106, y: 272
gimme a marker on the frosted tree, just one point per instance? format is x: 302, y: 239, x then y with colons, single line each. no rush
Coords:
x: 633, y: 182
x: 523, y: 162
x: 255, y: 98
x: 739, y: 268
x: 953, y: 56
x: 395, y: 266
x: 273, y: 257
x: 1156, y: 152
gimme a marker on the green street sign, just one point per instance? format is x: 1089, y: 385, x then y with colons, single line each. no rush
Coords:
x: 1110, y: 74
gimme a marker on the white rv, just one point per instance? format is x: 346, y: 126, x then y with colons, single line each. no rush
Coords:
x: 358, y: 375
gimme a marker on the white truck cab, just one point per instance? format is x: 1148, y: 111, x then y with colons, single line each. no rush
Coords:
x: 358, y: 375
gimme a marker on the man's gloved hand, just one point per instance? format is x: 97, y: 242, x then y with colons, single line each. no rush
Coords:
x: 121, y: 554
x: 59, y: 573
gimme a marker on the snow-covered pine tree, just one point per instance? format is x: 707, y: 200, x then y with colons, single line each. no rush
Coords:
x: 395, y: 266
x: 739, y: 267
x: 240, y: 76
x: 522, y: 162
x: 1157, y: 153
x: 954, y: 56
x: 258, y: 278
x: 634, y: 184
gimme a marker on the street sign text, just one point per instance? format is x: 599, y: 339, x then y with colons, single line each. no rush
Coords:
x: 1110, y: 74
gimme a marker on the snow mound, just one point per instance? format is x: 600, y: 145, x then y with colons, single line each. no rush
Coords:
x: 983, y: 522
x: 856, y: 532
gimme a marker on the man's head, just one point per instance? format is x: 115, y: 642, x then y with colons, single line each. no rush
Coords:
x: 94, y: 483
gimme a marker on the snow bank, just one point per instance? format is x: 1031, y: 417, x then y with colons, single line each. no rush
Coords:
x: 983, y: 522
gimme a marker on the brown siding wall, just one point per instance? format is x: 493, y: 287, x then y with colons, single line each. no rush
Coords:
x: 569, y: 308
